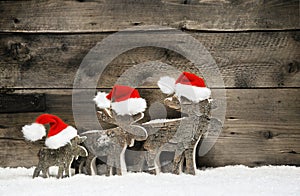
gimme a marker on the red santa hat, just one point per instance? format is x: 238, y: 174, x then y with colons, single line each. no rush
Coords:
x: 187, y: 85
x: 124, y: 100
x: 59, y: 133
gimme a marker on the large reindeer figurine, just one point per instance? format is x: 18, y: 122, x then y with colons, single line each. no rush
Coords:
x: 123, y: 107
x: 181, y: 136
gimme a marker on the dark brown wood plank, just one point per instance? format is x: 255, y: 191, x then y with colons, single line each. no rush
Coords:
x: 22, y: 103
x: 261, y: 127
x: 255, y: 59
x: 16, y: 153
x: 254, y: 145
x: 114, y: 15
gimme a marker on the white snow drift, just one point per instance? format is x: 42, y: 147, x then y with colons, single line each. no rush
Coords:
x: 230, y: 180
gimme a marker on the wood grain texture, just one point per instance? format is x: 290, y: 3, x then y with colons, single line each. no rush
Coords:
x: 254, y: 145
x: 114, y: 15
x: 16, y: 153
x: 261, y: 127
x: 245, y: 60
x: 22, y: 103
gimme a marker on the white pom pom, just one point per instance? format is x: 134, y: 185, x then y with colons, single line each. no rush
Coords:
x: 101, y: 101
x: 34, y: 132
x: 166, y: 85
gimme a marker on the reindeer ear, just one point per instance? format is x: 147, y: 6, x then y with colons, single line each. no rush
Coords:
x: 166, y: 85
x: 82, y: 139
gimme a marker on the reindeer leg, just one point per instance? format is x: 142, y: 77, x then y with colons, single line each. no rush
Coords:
x: 109, y: 165
x: 67, y: 167
x: 118, y: 168
x: 157, y: 162
x: 178, y: 163
x: 36, y: 172
x: 80, y: 167
x: 91, y: 165
x: 191, y: 156
x: 45, y: 171
x: 190, y: 166
x: 60, y: 171
x: 150, y: 158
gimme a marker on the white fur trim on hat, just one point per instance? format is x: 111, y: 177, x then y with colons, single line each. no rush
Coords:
x: 166, y: 85
x: 62, y: 138
x: 101, y: 101
x: 34, y: 132
x: 130, y: 106
x: 193, y: 93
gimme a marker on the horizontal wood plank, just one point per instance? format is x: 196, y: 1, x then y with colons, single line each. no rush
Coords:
x: 245, y: 60
x: 254, y: 145
x: 261, y: 127
x: 22, y: 103
x: 115, y: 15
x: 18, y: 153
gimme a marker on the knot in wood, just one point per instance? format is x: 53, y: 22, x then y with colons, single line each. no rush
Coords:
x: 19, y: 51
x: 268, y: 134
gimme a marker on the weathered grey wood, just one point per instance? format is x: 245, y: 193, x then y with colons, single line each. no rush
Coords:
x: 245, y: 60
x: 261, y: 127
x: 254, y: 145
x: 114, y: 15
x: 22, y: 103
x: 16, y: 153
x: 279, y: 107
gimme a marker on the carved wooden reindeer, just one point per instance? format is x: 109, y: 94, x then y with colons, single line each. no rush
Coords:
x: 190, y: 132
x: 192, y: 98
x: 61, y: 157
x: 113, y: 142
x: 174, y: 135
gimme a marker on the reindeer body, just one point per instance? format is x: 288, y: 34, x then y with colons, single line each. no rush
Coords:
x: 190, y: 132
x: 180, y: 136
x: 61, y: 157
x: 113, y: 142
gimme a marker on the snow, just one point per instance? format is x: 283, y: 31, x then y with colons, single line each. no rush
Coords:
x: 230, y: 180
x: 161, y: 121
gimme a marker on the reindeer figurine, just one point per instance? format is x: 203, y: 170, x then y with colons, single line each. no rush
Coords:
x: 62, y: 144
x: 192, y: 97
x: 61, y: 157
x: 180, y: 135
x: 122, y: 107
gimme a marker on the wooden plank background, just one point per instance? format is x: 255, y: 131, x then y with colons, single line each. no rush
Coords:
x: 255, y: 43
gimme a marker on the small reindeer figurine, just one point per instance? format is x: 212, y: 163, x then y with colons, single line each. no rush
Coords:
x: 122, y: 107
x: 62, y: 144
x: 61, y: 157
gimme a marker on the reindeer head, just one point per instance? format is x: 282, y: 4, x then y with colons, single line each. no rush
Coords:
x: 106, y: 115
x: 78, y: 140
x: 173, y: 103
x: 187, y: 107
x: 78, y: 150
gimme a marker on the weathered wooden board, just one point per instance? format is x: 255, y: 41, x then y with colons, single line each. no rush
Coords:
x: 114, y: 15
x: 17, y: 153
x: 254, y: 145
x: 255, y: 59
x: 22, y: 103
x: 261, y: 127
